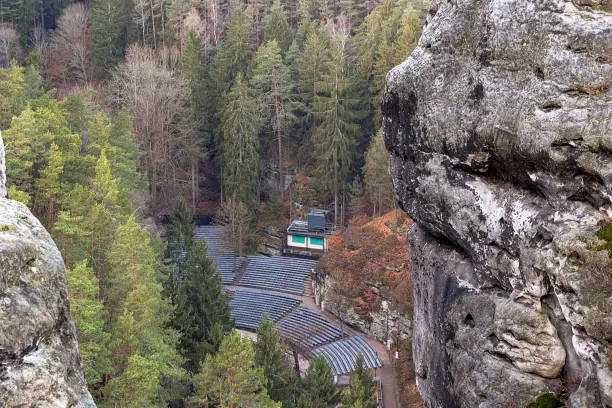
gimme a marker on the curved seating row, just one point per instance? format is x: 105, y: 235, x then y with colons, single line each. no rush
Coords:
x: 248, y: 308
x: 277, y: 273
x: 308, y: 329
x: 341, y: 355
x: 215, y: 239
x: 227, y: 266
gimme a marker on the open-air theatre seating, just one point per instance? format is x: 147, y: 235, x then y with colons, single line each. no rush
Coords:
x: 342, y: 354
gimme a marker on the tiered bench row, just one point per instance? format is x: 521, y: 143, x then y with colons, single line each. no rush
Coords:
x: 225, y: 260
x: 279, y: 273
x: 248, y: 308
x: 215, y: 239
x: 227, y: 266
x: 308, y: 329
x: 342, y: 354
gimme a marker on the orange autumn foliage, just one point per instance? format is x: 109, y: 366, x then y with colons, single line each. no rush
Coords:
x: 372, y: 254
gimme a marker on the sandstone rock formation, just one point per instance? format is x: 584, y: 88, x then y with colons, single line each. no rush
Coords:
x: 39, y: 357
x: 499, y: 126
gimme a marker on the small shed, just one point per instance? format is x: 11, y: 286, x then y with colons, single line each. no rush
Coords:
x: 309, y: 237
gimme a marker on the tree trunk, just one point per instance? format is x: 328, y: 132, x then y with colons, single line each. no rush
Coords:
x: 296, y: 362
x: 193, y: 188
x: 153, y: 24
x: 281, y: 185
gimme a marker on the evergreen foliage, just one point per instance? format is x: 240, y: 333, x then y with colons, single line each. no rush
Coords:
x: 202, y: 310
x: 317, y: 388
x: 230, y: 377
x: 180, y: 232
x: 361, y: 390
x: 271, y: 356
x: 108, y: 25
x: 240, y: 125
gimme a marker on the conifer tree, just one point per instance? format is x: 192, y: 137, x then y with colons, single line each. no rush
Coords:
x: 180, y: 231
x: 272, y: 82
x: 240, y: 123
x: 201, y: 305
x: 334, y: 138
x: 48, y: 185
x: 230, y: 377
x: 197, y: 73
x: 232, y: 58
x: 88, y: 314
x: 108, y: 29
x: 143, y: 347
x: 378, y: 184
x: 317, y: 387
x: 277, y: 28
x: 361, y: 389
x: 270, y: 355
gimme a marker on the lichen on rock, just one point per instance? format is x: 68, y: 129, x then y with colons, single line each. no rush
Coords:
x: 499, y: 126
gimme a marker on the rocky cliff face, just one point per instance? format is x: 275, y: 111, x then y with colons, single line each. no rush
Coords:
x: 39, y: 357
x: 500, y: 131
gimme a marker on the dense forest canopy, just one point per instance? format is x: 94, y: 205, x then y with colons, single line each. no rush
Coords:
x: 110, y: 110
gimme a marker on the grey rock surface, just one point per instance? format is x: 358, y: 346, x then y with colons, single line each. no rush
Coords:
x: 40, y: 364
x: 499, y: 126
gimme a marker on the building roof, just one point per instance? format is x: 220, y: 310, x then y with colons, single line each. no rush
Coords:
x: 299, y: 227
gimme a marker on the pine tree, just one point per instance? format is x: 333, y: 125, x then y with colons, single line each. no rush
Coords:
x: 317, y: 387
x: 240, y: 125
x: 270, y: 355
x: 230, y: 378
x: 48, y: 185
x: 87, y: 313
x: 143, y: 347
x: 12, y: 100
x: 361, y: 390
x: 201, y: 305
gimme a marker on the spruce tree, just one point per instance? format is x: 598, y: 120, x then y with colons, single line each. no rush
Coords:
x: 180, y: 232
x: 317, y: 387
x: 361, y: 389
x: 201, y: 305
x: 230, y: 377
x: 232, y: 58
x: 277, y: 28
x: 240, y: 124
x: 270, y: 355
x: 271, y: 80
x: 334, y: 138
x: 108, y: 31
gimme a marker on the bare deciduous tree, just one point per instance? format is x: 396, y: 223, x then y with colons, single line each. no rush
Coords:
x: 9, y: 45
x: 69, y: 53
x: 150, y: 86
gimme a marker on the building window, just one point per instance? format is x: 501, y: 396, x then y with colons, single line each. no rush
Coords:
x: 316, y: 241
x: 298, y: 239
